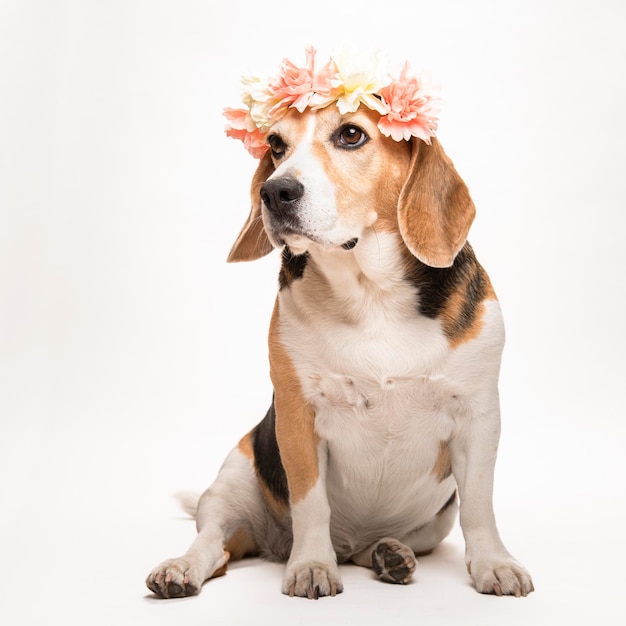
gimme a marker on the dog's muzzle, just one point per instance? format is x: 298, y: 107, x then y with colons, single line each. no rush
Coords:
x: 281, y: 197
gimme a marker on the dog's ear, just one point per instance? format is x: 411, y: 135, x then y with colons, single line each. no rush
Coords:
x: 253, y: 242
x: 435, y: 210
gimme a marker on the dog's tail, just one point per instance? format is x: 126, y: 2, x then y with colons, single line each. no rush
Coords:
x: 188, y: 501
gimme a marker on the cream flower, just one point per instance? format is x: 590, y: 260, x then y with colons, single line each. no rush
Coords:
x: 259, y: 100
x: 360, y: 77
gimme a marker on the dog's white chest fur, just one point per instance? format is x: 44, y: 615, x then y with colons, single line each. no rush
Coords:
x: 374, y: 371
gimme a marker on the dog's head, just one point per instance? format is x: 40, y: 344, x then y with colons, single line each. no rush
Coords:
x: 328, y: 178
x: 330, y: 174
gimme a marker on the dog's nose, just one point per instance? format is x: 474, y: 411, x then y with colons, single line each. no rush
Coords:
x: 281, y: 195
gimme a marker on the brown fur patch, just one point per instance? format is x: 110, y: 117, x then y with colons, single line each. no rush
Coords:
x: 443, y: 466
x: 245, y: 446
x: 291, y: 128
x: 435, y: 210
x: 252, y: 242
x: 295, y: 419
x: 240, y: 544
x: 222, y: 570
x: 367, y: 180
x: 463, y: 314
x: 389, y: 182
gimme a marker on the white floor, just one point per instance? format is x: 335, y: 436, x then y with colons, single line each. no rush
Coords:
x: 87, y: 512
x: 132, y: 357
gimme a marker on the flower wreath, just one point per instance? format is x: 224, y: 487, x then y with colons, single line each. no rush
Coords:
x: 408, y: 104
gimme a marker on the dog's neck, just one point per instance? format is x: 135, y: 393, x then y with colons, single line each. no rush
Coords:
x: 369, y: 276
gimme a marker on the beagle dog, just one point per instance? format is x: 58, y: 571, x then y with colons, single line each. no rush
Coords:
x: 384, y: 348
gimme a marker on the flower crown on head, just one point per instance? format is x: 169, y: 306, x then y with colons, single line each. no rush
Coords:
x: 409, y: 105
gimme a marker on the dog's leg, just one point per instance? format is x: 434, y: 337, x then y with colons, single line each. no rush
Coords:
x: 312, y: 566
x: 473, y: 451
x: 222, y: 519
x: 395, y: 561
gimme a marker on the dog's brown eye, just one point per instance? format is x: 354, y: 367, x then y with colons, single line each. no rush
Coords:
x: 351, y: 137
x: 277, y: 146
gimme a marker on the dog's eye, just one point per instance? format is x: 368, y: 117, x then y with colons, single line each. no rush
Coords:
x: 277, y: 146
x: 351, y: 137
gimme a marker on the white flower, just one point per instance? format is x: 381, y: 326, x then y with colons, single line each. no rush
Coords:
x: 360, y: 77
x: 257, y: 97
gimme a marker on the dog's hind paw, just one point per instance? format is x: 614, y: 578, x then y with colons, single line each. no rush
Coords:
x: 393, y: 562
x: 312, y: 580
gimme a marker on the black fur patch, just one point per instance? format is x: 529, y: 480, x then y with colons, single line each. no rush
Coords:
x: 267, y: 461
x: 292, y: 268
x: 436, y: 286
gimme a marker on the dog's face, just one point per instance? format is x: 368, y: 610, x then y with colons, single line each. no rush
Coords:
x: 335, y: 177
x: 328, y: 178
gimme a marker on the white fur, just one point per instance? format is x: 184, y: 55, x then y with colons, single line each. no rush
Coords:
x: 312, y: 566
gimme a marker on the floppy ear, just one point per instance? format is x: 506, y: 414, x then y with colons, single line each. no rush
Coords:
x: 253, y: 242
x: 435, y: 210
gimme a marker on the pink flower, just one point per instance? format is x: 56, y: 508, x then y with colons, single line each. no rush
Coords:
x: 413, y: 108
x: 300, y: 87
x: 241, y: 126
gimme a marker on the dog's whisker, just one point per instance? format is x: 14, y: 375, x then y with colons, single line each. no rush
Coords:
x: 261, y: 234
x: 378, y: 246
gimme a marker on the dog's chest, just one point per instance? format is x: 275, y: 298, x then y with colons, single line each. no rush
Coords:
x: 380, y: 390
x: 377, y: 382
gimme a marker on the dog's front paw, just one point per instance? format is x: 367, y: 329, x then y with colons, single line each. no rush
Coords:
x: 502, y: 577
x: 312, y: 580
x: 393, y: 562
x: 175, y: 578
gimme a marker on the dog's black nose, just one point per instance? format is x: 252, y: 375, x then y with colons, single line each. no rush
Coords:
x: 281, y: 195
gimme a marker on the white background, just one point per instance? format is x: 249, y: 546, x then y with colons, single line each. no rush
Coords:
x: 132, y: 357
